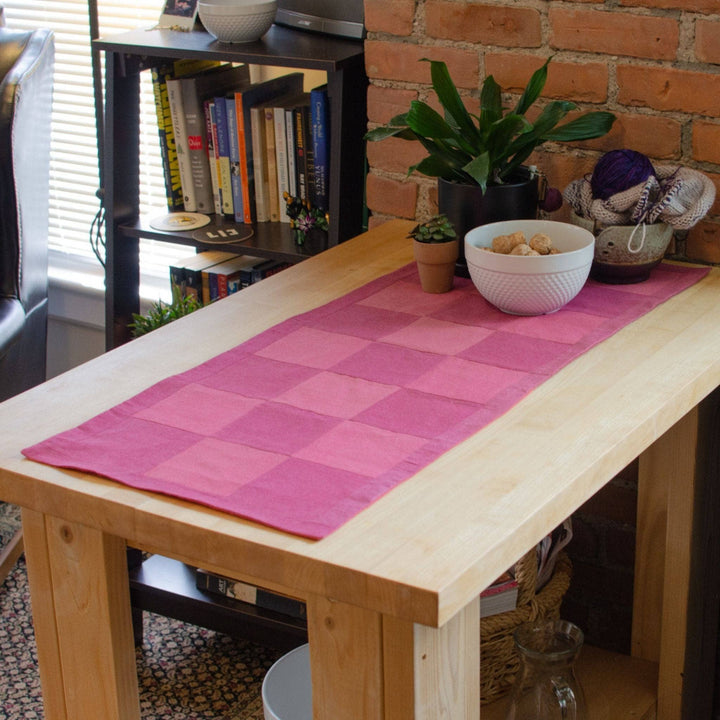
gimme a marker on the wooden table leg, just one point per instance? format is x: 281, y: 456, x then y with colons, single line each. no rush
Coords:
x: 81, y: 613
x: 369, y: 667
x: 676, y: 575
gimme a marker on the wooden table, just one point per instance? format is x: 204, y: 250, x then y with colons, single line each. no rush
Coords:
x: 393, y: 614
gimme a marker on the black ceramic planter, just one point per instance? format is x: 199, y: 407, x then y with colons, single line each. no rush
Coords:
x: 466, y: 206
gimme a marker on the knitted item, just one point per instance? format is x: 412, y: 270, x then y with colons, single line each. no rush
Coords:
x: 675, y: 195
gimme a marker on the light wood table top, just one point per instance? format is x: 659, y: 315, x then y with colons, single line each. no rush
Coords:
x: 423, y: 552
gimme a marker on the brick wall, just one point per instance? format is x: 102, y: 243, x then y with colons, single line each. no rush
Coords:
x: 656, y: 65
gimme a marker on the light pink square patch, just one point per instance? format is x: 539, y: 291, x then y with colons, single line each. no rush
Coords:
x: 467, y: 380
x: 361, y: 449
x: 438, y: 336
x: 214, y: 467
x: 313, y: 348
x: 408, y: 297
x: 336, y: 395
x: 198, y: 409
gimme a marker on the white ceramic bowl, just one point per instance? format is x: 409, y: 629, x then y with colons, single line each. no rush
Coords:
x: 530, y: 285
x: 238, y: 21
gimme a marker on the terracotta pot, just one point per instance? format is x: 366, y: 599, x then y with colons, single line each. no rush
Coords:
x: 436, y: 265
x: 467, y: 207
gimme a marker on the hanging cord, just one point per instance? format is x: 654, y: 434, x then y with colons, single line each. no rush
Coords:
x: 97, y: 240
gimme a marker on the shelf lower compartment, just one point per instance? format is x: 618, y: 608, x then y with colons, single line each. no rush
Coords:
x: 167, y: 587
x: 266, y: 239
x: 617, y: 687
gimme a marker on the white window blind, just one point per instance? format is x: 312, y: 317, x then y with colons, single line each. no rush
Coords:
x: 74, y: 161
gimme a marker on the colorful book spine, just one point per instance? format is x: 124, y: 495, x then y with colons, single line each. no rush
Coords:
x: 290, y: 144
x: 259, y: 164
x: 166, y: 136
x: 234, y: 147
x: 244, y: 592
x: 209, y: 107
x: 272, y: 169
x: 300, y: 154
x: 223, y: 155
x: 281, y: 157
x: 320, y: 145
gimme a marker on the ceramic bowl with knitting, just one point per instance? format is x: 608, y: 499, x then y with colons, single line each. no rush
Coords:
x: 634, y: 208
x: 529, y: 283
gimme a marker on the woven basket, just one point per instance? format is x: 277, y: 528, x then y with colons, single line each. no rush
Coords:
x: 499, y: 662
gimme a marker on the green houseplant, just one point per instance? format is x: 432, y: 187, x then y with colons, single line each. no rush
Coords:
x: 479, y: 159
x: 435, y: 246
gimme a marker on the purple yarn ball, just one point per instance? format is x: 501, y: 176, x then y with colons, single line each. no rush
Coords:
x: 619, y: 170
x: 553, y: 200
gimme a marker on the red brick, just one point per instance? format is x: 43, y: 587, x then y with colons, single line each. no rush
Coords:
x: 703, y: 242
x: 384, y: 103
x: 707, y: 41
x: 402, y: 61
x: 656, y: 136
x: 391, y: 197
x: 579, y: 82
x: 665, y: 88
x: 614, y: 33
x: 390, y: 16
x: 700, y: 6
x: 487, y: 24
x: 394, y: 155
x: 706, y: 141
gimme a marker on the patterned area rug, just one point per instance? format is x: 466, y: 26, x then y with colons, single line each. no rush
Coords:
x: 184, y: 672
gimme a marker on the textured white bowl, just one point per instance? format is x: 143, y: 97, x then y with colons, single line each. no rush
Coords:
x: 237, y: 23
x: 530, y: 285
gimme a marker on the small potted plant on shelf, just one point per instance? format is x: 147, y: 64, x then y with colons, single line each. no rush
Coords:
x: 435, y: 246
x: 479, y: 160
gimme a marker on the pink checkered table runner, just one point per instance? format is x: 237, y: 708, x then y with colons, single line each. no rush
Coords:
x: 308, y: 423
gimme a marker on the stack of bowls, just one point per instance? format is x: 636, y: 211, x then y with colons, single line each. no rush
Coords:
x: 237, y: 21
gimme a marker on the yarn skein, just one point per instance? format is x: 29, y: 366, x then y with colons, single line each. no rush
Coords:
x: 619, y: 170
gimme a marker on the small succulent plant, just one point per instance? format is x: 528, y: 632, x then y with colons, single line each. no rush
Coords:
x: 438, y: 229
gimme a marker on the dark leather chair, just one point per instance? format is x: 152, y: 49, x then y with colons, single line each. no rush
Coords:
x: 26, y: 80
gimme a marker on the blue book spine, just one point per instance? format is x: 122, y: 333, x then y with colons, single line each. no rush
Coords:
x: 234, y: 146
x: 320, y: 144
x: 223, y: 153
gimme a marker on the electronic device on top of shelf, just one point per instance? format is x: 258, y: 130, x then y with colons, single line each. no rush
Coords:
x: 333, y: 17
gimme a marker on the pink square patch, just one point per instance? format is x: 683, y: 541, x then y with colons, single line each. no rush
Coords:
x: 336, y: 395
x: 198, y: 409
x: 438, y: 336
x: 215, y: 468
x: 408, y: 297
x: 361, y: 449
x: 313, y: 348
x: 467, y: 380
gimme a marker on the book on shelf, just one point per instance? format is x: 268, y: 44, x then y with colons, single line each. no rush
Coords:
x: 271, y: 164
x: 186, y: 274
x: 319, y: 121
x: 500, y: 597
x: 244, y: 100
x: 290, y: 146
x: 225, y: 278
x: 259, y: 164
x: 195, y: 89
x: 177, y: 114
x: 234, y: 146
x: 300, y: 124
x: 211, y: 133
x: 166, y: 135
x: 251, y: 594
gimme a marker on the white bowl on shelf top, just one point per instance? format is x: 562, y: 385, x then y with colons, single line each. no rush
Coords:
x: 530, y: 285
x: 237, y: 21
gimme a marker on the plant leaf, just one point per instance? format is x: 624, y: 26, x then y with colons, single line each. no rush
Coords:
x: 451, y: 101
x: 533, y: 89
x: 479, y: 169
x: 586, y: 127
x: 490, y: 104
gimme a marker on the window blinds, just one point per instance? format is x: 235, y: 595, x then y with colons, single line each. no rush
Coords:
x: 73, y: 154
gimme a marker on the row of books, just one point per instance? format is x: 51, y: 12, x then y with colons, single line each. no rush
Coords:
x: 215, y: 274
x: 233, y: 147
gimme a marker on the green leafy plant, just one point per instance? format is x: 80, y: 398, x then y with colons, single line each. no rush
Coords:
x: 438, y: 229
x: 162, y: 313
x: 486, y: 149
